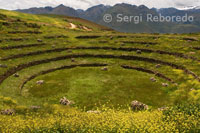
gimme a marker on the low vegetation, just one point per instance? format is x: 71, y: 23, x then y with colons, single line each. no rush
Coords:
x: 54, y: 78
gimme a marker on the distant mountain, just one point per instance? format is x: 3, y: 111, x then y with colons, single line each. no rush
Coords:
x: 195, y: 12
x: 59, y: 10
x: 97, y: 13
x: 94, y: 13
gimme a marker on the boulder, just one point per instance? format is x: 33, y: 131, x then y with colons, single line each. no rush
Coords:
x: 65, y: 101
x: 8, y: 112
x: 165, y: 84
x: 192, y: 89
x: 139, y: 52
x: 192, y: 53
x: 137, y: 106
x: 158, y: 66
x: 176, y: 84
x: 72, y: 60
x: 53, y: 46
x: 104, y: 69
x: 16, y: 75
x: 39, y: 40
x: 153, y: 79
x: 122, y: 44
x: 40, y: 82
x: 163, y: 108
x: 94, y: 112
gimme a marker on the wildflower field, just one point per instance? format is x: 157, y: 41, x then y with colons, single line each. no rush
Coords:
x: 66, y: 119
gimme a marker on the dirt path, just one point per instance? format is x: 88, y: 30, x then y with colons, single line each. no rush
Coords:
x: 72, y: 26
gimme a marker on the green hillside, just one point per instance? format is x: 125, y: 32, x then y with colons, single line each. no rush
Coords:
x: 47, y: 57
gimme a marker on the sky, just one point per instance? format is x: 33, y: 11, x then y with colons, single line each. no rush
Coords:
x: 84, y: 4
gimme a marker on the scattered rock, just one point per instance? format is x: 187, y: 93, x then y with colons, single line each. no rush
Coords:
x: 163, y: 108
x: 192, y: 89
x: 153, y: 79
x: 165, y: 84
x: 136, y: 106
x: 3, y: 66
x: 176, y: 84
x: 65, y: 101
x: 139, y: 52
x: 94, y: 112
x: 72, y: 60
x: 16, y: 75
x: 123, y: 44
x: 8, y: 112
x: 39, y: 40
x: 40, y: 82
x: 104, y: 69
x: 35, y: 107
x: 158, y: 66
x: 192, y: 53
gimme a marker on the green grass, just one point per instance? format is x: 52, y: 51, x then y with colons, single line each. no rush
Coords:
x: 92, y: 87
x: 88, y: 88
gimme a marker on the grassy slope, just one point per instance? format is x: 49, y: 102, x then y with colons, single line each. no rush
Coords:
x: 90, y: 86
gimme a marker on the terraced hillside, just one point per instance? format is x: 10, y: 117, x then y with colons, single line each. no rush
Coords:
x: 91, y: 64
x: 44, y: 58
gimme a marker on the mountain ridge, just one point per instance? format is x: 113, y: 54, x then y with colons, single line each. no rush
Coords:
x: 96, y: 14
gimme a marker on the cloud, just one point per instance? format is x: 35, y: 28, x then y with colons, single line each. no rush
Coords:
x: 84, y: 4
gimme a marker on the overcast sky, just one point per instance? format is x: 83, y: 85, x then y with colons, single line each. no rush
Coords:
x: 84, y: 4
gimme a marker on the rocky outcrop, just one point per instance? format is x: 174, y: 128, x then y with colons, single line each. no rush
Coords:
x: 138, y: 106
x: 153, y: 79
x: 94, y: 112
x: 40, y: 82
x: 165, y: 84
x: 8, y: 112
x: 65, y: 101
x: 163, y: 108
